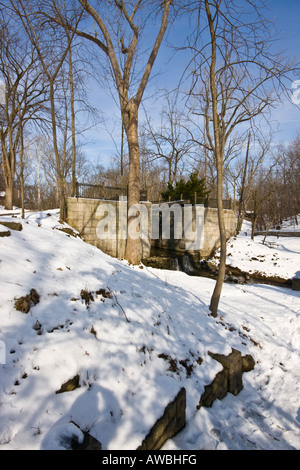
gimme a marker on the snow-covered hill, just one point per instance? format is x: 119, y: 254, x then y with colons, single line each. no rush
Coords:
x: 270, y: 257
x: 113, y: 324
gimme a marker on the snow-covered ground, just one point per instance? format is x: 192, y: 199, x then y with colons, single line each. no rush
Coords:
x: 117, y: 342
x: 271, y: 257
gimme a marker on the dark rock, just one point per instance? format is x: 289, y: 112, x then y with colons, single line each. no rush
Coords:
x: 69, y: 231
x: 72, y: 441
x: 89, y: 442
x: 34, y: 296
x: 232, y: 363
x: 70, y: 385
x: 227, y: 380
x: 13, y: 225
x: 296, y: 283
x: 248, y: 363
x: 172, y: 421
x: 216, y: 390
x: 5, y: 233
x: 23, y: 304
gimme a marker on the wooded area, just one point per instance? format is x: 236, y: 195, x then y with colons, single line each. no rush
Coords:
x: 209, y: 126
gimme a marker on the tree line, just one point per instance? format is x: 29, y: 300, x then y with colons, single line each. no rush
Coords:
x: 212, y: 126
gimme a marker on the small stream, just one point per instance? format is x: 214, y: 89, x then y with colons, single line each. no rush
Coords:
x: 186, y: 263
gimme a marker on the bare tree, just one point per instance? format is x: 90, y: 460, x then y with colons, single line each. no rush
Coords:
x: 118, y: 32
x: 23, y: 97
x: 72, y: 104
x: 236, y: 78
x: 289, y: 175
x: 247, y: 167
x: 263, y: 192
x: 169, y: 141
x: 51, y: 48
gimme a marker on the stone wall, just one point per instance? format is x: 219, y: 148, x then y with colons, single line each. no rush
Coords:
x: 208, y: 233
x: 211, y: 238
x: 85, y: 215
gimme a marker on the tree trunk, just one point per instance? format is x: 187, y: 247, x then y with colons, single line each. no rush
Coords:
x: 122, y: 75
x: 219, y: 153
x: 133, y: 246
x: 71, y: 80
x: 254, y: 220
x: 242, y: 201
x: 60, y: 177
x: 9, y: 190
x: 22, y: 174
x: 9, y: 173
x: 268, y: 229
x: 170, y: 172
x: 214, y: 302
x: 21, y: 162
x: 38, y: 184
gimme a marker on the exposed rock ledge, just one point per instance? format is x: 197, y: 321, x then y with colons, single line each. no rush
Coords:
x: 227, y: 380
x: 173, y: 419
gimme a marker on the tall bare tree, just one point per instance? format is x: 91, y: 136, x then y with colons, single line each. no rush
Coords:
x: 118, y: 32
x: 236, y: 77
x: 289, y: 173
x: 23, y: 96
x: 52, y: 48
x: 254, y: 159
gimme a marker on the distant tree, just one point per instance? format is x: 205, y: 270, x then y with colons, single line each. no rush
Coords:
x: 22, y: 97
x: 254, y: 160
x: 186, y: 189
x: 52, y: 47
x: 289, y: 175
x: 262, y: 196
x: 168, y: 142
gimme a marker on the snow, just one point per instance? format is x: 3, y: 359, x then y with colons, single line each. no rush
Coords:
x: 116, y: 341
x: 277, y: 256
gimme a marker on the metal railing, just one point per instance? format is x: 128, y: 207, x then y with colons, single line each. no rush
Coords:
x: 113, y: 193
x: 100, y: 191
x: 206, y: 201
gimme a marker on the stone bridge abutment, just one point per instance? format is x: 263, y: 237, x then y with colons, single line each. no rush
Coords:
x: 173, y: 227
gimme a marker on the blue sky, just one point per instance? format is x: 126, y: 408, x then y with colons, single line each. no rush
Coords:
x: 100, y: 145
x: 287, y: 17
